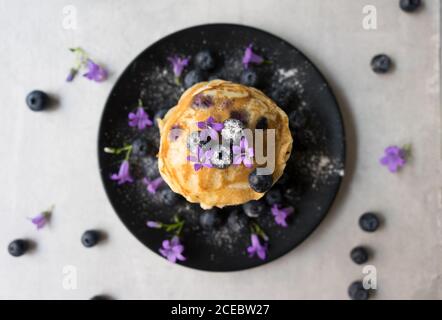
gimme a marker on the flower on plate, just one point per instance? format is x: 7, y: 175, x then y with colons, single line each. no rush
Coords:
x: 243, y: 153
x: 394, y: 158
x: 201, y: 159
x: 41, y: 219
x: 256, y: 248
x: 178, y: 65
x: 95, y: 72
x: 172, y: 250
x: 251, y: 57
x: 153, y: 185
x: 123, y: 174
x: 281, y: 214
x: 139, y: 119
x: 154, y: 224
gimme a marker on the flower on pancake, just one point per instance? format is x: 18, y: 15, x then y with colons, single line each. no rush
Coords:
x: 173, y: 250
x: 256, y: 248
x: 251, y: 57
x: 281, y: 214
x: 178, y: 65
x: 243, y: 153
x: 201, y: 158
x: 395, y: 157
x: 153, y: 185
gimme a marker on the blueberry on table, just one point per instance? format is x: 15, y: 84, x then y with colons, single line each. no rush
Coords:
x: 409, y: 5
x: 210, y: 219
x: 193, y: 77
x: 237, y: 221
x: 260, y: 183
x: 359, y: 255
x: 356, y: 291
x: 205, y: 60
x: 18, y: 247
x: 273, y: 196
x: 90, y: 238
x: 37, y: 100
x: 369, y: 222
x: 168, y: 197
x: 159, y: 115
x: 262, y: 123
x: 139, y: 147
x: 254, y: 208
x: 381, y: 63
x: 249, y: 78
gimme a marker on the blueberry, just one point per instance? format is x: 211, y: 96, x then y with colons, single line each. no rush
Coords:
x: 193, y: 77
x: 102, y: 297
x: 139, y: 147
x: 237, y: 221
x: 381, y: 63
x: 274, y: 196
x: 37, y: 100
x: 90, y: 238
x: 359, y: 255
x: 356, y: 291
x: 297, y: 119
x: 168, y: 197
x: 254, y: 208
x: 18, y: 247
x: 369, y: 222
x: 409, y: 5
x: 262, y: 123
x: 210, y: 219
x: 249, y: 78
x: 260, y: 183
x: 205, y: 60
x: 222, y: 157
x: 159, y: 115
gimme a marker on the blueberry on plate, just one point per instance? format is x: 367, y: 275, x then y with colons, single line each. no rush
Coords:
x: 139, y: 147
x: 237, y: 221
x: 168, y: 197
x: 254, y: 208
x: 159, y: 115
x: 369, y: 222
x: 18, y: 247
x: 409, y: 5
x: 359, y: 255
x: 205, y: 60
x: 381, y: 63
x: 260, y: 183
x: 356, y: 291
x: 282, y: 96
x: 249, y: 78
x: 37, y: 100
x: 193, y: 77
x: 273, y: 196
x: 210, y: 219
x: 262, y: 123
x: 297, y: 119
x: 90, y: 238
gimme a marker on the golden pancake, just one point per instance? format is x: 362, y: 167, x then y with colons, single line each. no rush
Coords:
x: 218, y: 186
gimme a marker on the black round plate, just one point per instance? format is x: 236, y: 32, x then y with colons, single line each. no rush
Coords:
x: 314, y: 171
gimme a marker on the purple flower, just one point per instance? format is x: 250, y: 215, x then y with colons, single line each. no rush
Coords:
x: 95, y: 72
x: 41, y: 219
x: 123, y: 175
x: 139, y: 119
x: 201, y: 159
x: 243, y: 153
x: 257, y: 248
x: 394, y: 158
x: 154, y: 224
x: 71, y: 75
x: 281, y: 214
x: 251, y: 57
x: 210, y: 123
x: 153, y: 185
x: 172, y: 250
x: 178, y: 65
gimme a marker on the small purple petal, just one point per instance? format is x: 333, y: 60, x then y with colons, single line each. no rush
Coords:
x: 153, y: 224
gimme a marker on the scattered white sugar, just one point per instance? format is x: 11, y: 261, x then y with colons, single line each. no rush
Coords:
x: 284, y: 73
x: 322, y: 168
